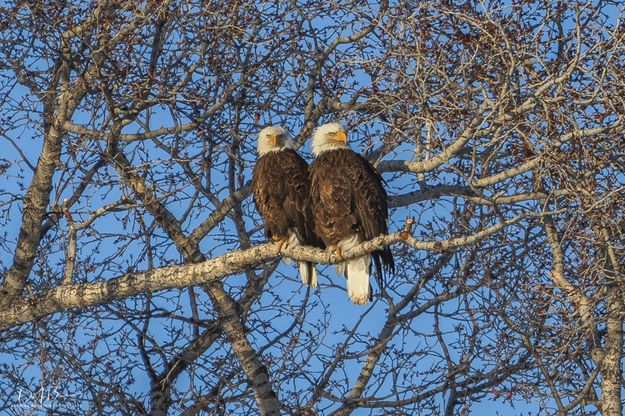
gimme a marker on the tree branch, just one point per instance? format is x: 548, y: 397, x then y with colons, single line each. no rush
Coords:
x: 92, y: 294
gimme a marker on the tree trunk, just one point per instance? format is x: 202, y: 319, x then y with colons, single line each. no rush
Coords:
x: 611, y: 365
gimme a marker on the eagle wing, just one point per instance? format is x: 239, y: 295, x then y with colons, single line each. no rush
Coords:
x: 297, y: 206
x: 269, y: 191
x: 332, y: 198
x: 282, y: 195
x: 370, y: 197
x: 372, y: 210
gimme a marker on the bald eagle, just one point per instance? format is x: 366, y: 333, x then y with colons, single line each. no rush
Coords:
x: 282, y: 195
x: 349, y: 206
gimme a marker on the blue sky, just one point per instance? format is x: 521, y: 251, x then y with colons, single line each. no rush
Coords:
x: 284, y: 282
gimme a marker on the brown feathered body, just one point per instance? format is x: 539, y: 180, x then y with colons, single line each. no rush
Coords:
x: 281, y: 191
x: 348, y: 199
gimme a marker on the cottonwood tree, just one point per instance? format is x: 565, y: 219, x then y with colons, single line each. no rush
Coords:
x: 135, y: 278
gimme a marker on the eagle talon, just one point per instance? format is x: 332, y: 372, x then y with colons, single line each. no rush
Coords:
x: 280, y: 241
x: 338, y: 253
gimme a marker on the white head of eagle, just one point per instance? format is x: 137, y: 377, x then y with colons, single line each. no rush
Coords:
x: 330, y: 136
x: 273, y: 139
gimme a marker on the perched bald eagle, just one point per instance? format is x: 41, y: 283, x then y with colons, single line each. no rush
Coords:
x: 349, y: 206
x: 282, y: 195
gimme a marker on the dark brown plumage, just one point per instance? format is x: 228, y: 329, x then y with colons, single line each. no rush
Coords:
x: 348, y: 198
x: 282, y: 195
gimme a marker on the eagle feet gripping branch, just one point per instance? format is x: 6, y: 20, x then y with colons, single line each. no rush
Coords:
x: 337, y: 251
x: 281, y: 241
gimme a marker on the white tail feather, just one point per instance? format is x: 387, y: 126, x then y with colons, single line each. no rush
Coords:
x: 303, y: 272
x: 358, y: 279
x: 356, y: 271
x: 303, y: 267
x: 341, y: 269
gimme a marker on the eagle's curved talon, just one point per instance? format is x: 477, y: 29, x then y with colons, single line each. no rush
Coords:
x: 338, y: 253
x: 280, y: 241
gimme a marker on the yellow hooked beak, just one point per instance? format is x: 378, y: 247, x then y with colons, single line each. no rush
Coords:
x: 341, y: 136
x: 274, y: 140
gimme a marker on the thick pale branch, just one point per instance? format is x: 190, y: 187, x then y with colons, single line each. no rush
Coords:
x: 574, y: 293
x: 70, y: 296
x: 531, y: 164
x: 37, y: 197
x: 457, y: 146
x: 466, y: 192
x: 439, y: 159
x: 163, y: 131
x: 36, y: 202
